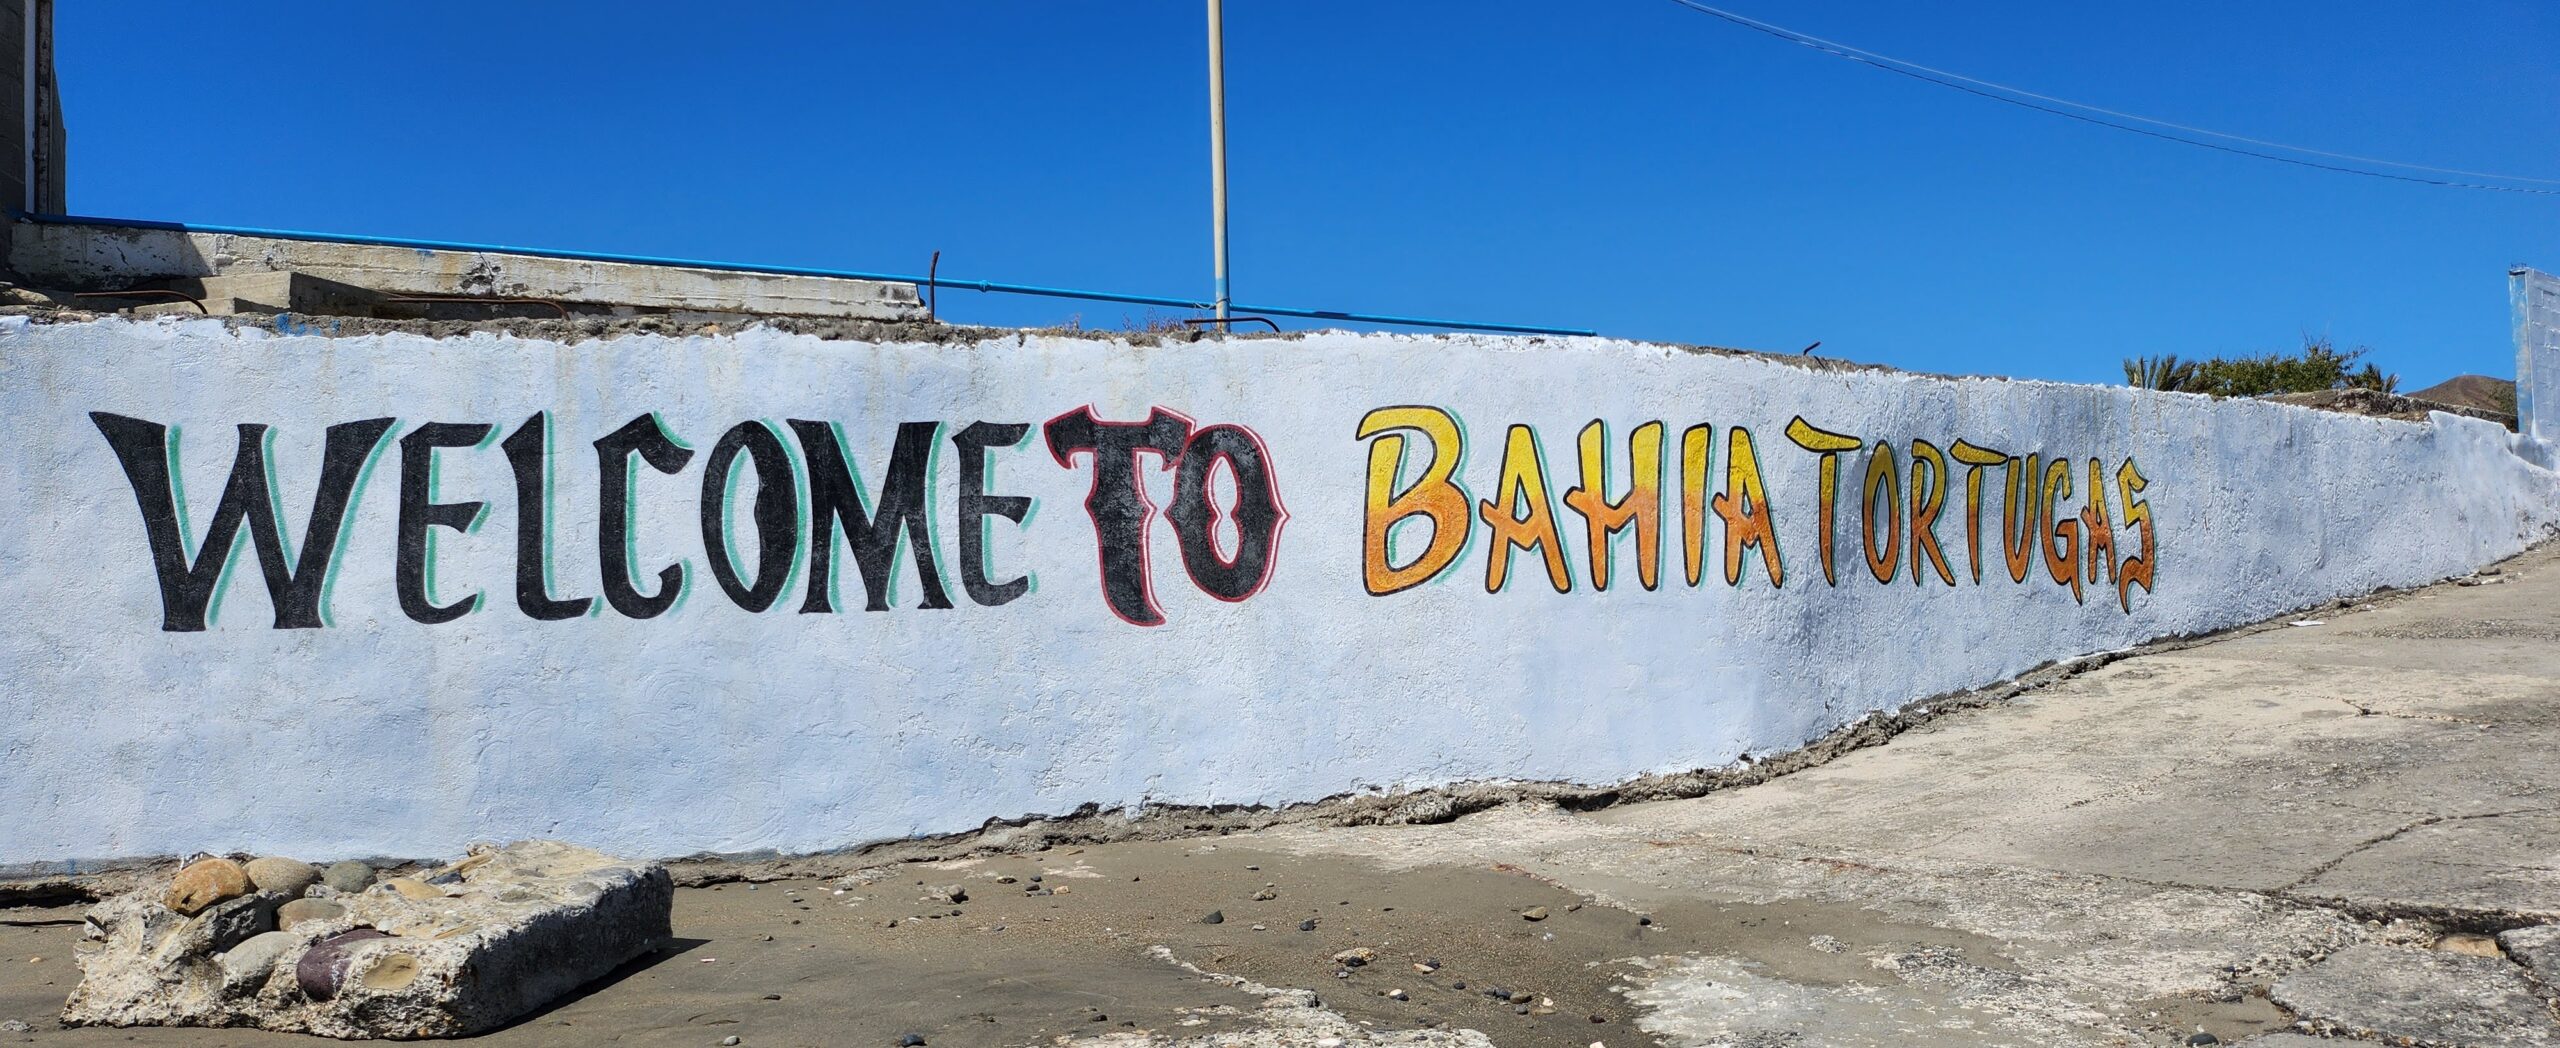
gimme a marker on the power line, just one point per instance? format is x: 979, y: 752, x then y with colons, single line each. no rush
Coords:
x: 2110, y: 118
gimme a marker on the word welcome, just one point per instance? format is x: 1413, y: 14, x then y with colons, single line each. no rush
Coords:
x: 2075, y: 547
x: 785, y: 528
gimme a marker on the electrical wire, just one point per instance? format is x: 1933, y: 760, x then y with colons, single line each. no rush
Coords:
x: 2090, y: 114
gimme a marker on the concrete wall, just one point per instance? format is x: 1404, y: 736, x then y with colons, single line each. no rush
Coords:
x: 1241, y: 618
x: 2536, y: 304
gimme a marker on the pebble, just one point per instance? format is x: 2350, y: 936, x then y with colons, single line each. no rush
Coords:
x: 731, y: 1039
x: 284, y: 876
x: 1599, y: 1018
x: 1458, y: 985
x: 412, y: 888
x: 1215, y: 917
x: 1644, y: 922
x: 1355, y: 957
x: 1265, y: 895
x: 204, y: 883
x: 348, y: 877
x: 773, y: 997
x: 1520, y: 1009
x: 300, y: 910
x: 913, y: 1040
x: 1399, y: 995
x: 1062, y: 889
x: 2204, y: 1038
x: 1259, y: 928
x: 1534, y: 913
x: 1004, y: 880
x: 15, y: 1026
x: 1307, y: 925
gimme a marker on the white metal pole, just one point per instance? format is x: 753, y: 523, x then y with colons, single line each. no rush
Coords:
x: 1218, y: 152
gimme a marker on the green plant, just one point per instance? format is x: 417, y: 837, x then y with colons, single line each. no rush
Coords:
x: 2372, y: 378
x: 2320, y: 366
x: 2162, y: 372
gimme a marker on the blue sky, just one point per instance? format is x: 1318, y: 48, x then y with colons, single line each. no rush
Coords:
x: 1624, y: 165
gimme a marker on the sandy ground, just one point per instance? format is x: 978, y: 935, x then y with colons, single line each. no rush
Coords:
x: 2134, y: 856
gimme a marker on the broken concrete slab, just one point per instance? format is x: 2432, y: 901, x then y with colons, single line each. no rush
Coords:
x: 2537, y: 948
x: 2420, y: 997
x: 498, y: 934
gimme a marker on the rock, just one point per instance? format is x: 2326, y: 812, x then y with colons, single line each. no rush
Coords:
x: 348, y: 877
x: 411, y: 968
x: 913, y: 1040
x: 300, y: 910
x: 2394, y: 993
x: 413, y: 888
x: 15, y: 1026
x: 1534, y: 913
x: 2537, y: 948
x: 281, y: 875
x: 1215, y: 917
x: 2201, y: 1037
x: 949, y: 893
x: 245, y: 967
x: 235, y: 921
x: 729, y: 1040
x: 1399, y: 995
x: 1644, y: 922
x: 1265, y: 895
x: 204, y: 883
x: 1307, y: 925
x: 1355, y: 957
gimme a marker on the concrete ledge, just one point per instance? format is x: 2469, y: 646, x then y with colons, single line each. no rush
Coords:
x: 86, y: 257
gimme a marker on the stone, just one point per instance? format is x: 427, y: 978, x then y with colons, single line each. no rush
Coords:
x: 348, y: 877
x: 15, y: 1026
x: 413, y: 888
x: 459, y: 962
x: 732, y: 1039
x: 2537, y: 948
x: 300, y: 910
x: 234, y: 921
x: 282, y: 876
x: 2202, y: 1038
x: 204, y: 883
x: 1265, y: 895
x: 2394, y: 993
x: 1307, y: 925
x: 949, y: 893
x: 1534, y: 913
x: 1215, y: 917
x: 245, y: 967
x: 913, y: 1040
x: 1355, y: 957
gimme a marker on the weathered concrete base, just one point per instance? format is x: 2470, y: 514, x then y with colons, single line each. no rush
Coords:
x: 458, y: 951
x: 2408, y: 996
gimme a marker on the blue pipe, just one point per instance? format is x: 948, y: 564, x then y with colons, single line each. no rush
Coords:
x: 986, y: 286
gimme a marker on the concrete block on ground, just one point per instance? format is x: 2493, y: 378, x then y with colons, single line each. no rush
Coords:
x: 2537, y: 948
x: 2410, y: 996
x: 446, y: 953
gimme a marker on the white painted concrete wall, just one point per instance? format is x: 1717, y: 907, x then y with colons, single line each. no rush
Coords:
x: 713, y: 728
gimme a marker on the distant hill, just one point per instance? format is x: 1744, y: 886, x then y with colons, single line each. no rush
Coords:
x: 2478, y: 392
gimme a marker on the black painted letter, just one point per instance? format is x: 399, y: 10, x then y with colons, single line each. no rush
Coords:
x: 976, y: 506
x: 529, y: 454
x: 1258, y: 514
x: 418, y: 513
x: 187, y: 590
x: 613, y: 526
x: 1117, y: 504
x: 777, y: 514
x: 835, y: 500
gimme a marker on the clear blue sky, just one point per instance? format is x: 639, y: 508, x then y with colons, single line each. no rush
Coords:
x: 1624, y: 165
